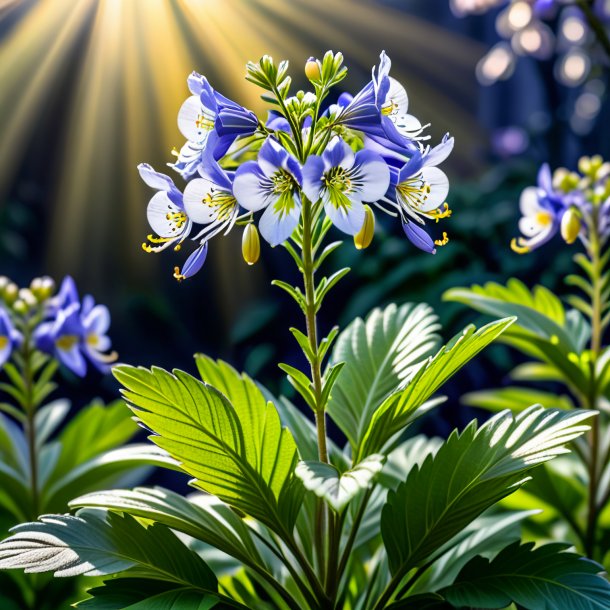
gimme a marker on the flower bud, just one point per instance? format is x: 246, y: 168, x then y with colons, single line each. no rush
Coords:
x: 10, y: 293
x: 570, y: 225
x: 20, y: 307
x: 312, y: 69
x: 27, y: 296
x: 364, y: 237
x: 250, y: 244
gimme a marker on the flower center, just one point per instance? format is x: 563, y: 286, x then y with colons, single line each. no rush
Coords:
x: 222, y: 202
x: 205, y: 121
x: 92, y: 339
x: 389, y: 108
x: 283, y: 182
x: 544, y: 219
x: 176, y: 219
x: 414, y: 191
x: 66, y: 342
x: 3, y: 341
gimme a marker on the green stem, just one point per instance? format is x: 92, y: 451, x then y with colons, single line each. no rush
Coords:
x: 29, y: 423
x: 595, y: 24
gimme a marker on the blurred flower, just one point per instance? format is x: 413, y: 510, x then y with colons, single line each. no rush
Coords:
x: 343, y: 180
x: 272, y: 183
x: 10, y: 337
x: 95, y: 321
x: 509, y: 141
x: 542, y: 208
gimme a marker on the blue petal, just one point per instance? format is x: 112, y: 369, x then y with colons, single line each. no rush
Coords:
x: 73, y: 359
x: 418, y: 237
x: 545, y: 179
x: 411, y: 167
x: 236, y: 122
x: 210, y: 170
x: 312, y: 177
x: 271, y: 157
x: 338, y: 153
x: 195, y: 261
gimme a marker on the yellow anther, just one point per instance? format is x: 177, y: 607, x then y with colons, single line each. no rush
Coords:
x: 178, y: 275
x: 444, y: 213
x: 442, y: 242
x: 177, y: 247
x: 3, y: 341
x: 364, y: 237
x: 516, y: 246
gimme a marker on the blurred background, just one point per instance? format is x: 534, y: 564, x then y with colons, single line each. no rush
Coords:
x: 91, y: 88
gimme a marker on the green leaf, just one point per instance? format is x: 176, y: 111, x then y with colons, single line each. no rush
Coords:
x: 96, y: 543
x: 538, y: 311
x: 379, y: 354
x: 424, y: 601
x: 49, y: 418
x: 144, y: 594
x: 229, y: 438
x: 338, y: 490
x: 546, y: 577
x: 397, y: 410
x: 515, y: 399
x: 204, y: 518
x: 103, y: 470
x: 470, y: 473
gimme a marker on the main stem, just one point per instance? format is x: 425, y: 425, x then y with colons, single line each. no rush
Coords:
x: 592, y: 399
x: 312, y: 329
x: 29, y: 424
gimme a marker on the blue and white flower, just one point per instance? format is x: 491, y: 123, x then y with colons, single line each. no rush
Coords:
x: 165, y: 212
x: 95, y: 321
x: 10, y: 337
x: 343, y: 180
x: 208, y: 121
x: 271, y: 183
x: 417, y: 192
x: 542, y: 208
x: 62, y: 337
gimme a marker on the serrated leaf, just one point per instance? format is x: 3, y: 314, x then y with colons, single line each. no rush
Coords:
x: 396, y: 410
x: 379, y: 354
x: 338, y: 490
x: 546, y: 577
x: 470, y: 473
x: 97, y: 543
x: 233, y: 445
x: 204, y: 518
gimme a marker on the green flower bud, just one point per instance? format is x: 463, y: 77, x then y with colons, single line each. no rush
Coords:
x: 250, y: 244
x: 20, y: 307
x: 27, y: 296
x: 312, y: 69
x: 364, y: 237
x: 10, y: 293
x: 570, y: 225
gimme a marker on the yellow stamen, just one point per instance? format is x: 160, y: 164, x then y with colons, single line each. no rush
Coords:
x: 414, y: 191
x: 222, y: 201
x: 203, y: 123
x: 444, y: 213
x: 442, y: 242
x: 3, y: 341
x: 92, y: 339
x: 178, y: 275
x: 516, y: 246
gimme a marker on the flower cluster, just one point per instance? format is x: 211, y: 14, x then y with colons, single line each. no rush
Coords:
x: 541, y: 29
x: 573, y: 203
x: 59, y: 325
x: 363, y: 149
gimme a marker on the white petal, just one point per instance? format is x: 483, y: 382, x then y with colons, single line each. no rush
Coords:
x: 397, y: 96
x: 531, y: 225
x: 249, y: 192
x: 197, y: 194
x: 277, y: 228
x: 348, y: 220
x: 528, y: 202
x: 438, y: 182
x: 162, y: 215
x: 406, y: 124
x: 194, y: 121
x: 375, y: 177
